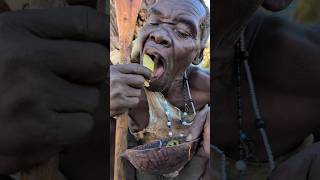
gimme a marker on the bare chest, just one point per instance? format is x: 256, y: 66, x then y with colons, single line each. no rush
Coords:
x: 288, y: 119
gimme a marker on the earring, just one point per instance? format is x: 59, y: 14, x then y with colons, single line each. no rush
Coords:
x: 197, y: 61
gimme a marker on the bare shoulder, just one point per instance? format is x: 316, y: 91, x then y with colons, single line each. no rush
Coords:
x: 286, y: 55
x: 282, y: 30
x: 199, y: 79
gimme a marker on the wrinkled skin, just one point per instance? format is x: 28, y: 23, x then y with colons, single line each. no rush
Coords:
x: 161, y: 37
x: 174, y: 45
x: 285, y: 67
x: 52, y: 76
x: 126, y: 82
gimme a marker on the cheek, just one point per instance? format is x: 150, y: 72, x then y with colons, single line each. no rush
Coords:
x: 187, y: 51
x: 143, y: 35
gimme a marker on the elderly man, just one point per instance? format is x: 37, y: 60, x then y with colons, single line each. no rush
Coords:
x: 283, y: 57
x: 174, y: 37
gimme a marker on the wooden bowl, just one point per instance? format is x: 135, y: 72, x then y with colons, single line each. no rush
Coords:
x: 156, y: 158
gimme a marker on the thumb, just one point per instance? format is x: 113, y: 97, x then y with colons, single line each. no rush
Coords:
x: 198, y: 124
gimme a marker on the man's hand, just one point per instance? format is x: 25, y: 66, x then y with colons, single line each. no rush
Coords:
x: 302, y: 166
x: 52, y: 74
x: 201, y: 126
x: 126, y: 82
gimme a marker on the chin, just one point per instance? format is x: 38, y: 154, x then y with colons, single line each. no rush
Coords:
x: 161, y: 84
x: 156, y: 87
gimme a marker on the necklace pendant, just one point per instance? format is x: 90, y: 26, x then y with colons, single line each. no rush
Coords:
x: 241, y: 165
x: 172, y: 143
x: 186, y: 123
x: 186, y: 119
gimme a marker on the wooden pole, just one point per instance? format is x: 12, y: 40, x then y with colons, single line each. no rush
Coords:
x: 126, y: 12
x: 47, y: 171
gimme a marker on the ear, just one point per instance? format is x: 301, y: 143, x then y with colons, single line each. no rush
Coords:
x: 199, y: 58
x: 276, y: 5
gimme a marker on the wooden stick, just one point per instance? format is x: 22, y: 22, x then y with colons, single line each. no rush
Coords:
x: 126, y: 12
x: 46, y: 171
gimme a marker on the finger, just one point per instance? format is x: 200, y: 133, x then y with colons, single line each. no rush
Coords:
x: 126, y: 91
x: 71, y: 127
x: 74, y: 61
x: 69, y: 97
x: 133, y: 92
x: 75, y: 23
x: 198, y: 123
x: 135, y: 81
x: 135, y: 69
x: 132, y: 101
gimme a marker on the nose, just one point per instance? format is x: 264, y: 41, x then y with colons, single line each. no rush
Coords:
x: 161, y: 37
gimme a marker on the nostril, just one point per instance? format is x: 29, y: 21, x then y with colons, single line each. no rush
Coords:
x: 152, y: 38
x: 160, y: 38
x: 165, y: 43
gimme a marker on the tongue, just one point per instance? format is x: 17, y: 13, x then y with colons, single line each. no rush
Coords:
x: 158, y: 71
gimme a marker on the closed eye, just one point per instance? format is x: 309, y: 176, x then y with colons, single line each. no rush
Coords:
x: 182, y: 34
x: 154, y: 23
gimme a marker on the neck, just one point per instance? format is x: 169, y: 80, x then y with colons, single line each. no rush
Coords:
x: 223, y: 68
x: 175, y: 93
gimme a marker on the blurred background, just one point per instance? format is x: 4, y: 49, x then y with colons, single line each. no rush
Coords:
x: 302, y: 11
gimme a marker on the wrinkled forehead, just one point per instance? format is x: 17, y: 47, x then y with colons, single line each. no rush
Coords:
x: 168, y: 8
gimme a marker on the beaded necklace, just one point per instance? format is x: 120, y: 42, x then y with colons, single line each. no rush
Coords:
x: 185, y: 120
x: 246, y: 147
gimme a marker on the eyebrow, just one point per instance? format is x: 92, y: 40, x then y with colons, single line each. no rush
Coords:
x: 180, y: 18
x: 155, y: 11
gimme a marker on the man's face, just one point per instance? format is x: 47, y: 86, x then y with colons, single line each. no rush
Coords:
x: 171, y: 37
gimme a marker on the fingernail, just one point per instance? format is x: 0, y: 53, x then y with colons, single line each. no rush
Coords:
x: 189, y: 137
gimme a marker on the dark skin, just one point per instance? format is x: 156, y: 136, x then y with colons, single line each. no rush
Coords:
x: 285, y: 67
x: 172, y: 38
x: 52, y: 76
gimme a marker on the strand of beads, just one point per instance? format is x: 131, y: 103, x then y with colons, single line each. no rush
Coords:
x: 169, y: 118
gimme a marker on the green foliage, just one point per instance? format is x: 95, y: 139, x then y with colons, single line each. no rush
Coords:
x: 308, y: 11
x: 206, y: 56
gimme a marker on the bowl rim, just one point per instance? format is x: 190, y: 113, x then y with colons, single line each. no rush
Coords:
x: 137, y: 150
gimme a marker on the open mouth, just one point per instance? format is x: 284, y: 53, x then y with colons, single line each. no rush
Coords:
x: 159, y: 65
